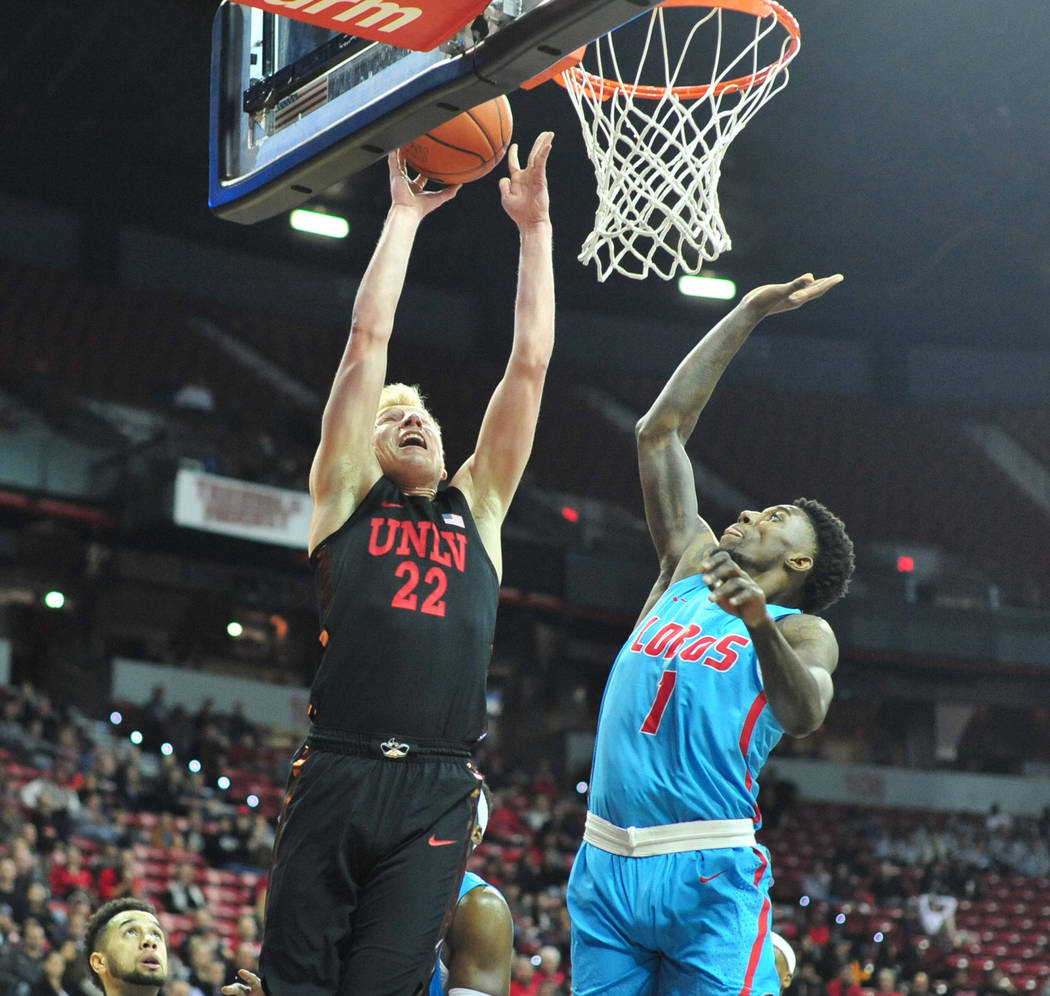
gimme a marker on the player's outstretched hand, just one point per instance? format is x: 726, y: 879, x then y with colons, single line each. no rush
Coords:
x: 524, y: 191
x: 406, y: 192
x: 732, y: 588
x: 251, y: 986
x: 774, y: 298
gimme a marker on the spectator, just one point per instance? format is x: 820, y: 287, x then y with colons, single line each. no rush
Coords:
x: 844, y: 983
x: 38, y: 908
x: 69, y: 874
x: 997, y: 820
x: 119, y: 881
x: 807, y: 982
x: 8, y: 930
x: 886, y: 983
x: 816, y: 882
x: 12, y: 893
x: 183, y: 893
x: 50, y: 982
x: 523, y: 977
x: 60, y: 784
x: 549, y: 969
x: 920, y: 984
x: 995, y: 982
x: 937, y: 917
x: 94, y: 821
x: 76, y: 977
x: 22, y: 964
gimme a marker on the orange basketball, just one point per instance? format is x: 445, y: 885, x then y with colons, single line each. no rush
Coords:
x: 465, y: 148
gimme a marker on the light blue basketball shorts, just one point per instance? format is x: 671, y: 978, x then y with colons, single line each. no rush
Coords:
x: 693, y: 923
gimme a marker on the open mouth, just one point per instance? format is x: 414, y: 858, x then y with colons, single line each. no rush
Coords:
x: 413, y: 439
x: 733, y: 531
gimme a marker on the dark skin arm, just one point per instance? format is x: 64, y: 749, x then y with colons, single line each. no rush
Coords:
x: 480, y: 944
x: 668, y: 486
x: 797, y: 654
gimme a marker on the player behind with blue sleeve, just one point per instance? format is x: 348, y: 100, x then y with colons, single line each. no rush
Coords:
x: 669, y: 894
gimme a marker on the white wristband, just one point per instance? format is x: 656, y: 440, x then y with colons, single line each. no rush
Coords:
x: 465, y: 992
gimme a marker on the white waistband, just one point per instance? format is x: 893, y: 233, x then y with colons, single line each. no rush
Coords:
x: 643, y: 842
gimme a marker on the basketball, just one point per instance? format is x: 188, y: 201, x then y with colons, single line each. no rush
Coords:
x: 465, y: 148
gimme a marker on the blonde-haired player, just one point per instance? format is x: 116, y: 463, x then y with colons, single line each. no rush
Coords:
x: 376, y: 827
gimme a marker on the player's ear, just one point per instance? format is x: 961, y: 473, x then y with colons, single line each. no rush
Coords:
x: 799, y: 562
x: 98, y: 961
x: 444, y: 474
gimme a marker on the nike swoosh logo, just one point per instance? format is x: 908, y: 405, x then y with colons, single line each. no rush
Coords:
x: 710, y: 878
x: 434, y: 842
x: 391, y: 504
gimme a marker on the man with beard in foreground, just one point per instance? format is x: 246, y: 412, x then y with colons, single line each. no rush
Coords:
x: 127, y: 949
x: 669, y: 893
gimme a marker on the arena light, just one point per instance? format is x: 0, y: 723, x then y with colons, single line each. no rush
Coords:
x: 905, y: 564
x: 570, y: 514
x: 135, y: 737
x: 166, y: 749
x: 194, y: 765
x: 54, y: 599
x: 234, y: 629
x: 223, y: 782
x: 116, y: 718
x: 714, y: 288
x: 252, y: 801
x: 330, y: 226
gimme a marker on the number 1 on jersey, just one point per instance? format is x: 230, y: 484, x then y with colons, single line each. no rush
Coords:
x: 663, y: 695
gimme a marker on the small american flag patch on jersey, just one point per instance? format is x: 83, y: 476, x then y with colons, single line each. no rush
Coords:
x: 453, y: 519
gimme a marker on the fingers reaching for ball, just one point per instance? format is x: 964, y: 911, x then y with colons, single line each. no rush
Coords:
x: 524, y: 191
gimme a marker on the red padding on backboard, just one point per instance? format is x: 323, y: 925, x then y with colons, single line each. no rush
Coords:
x: 420, y: 25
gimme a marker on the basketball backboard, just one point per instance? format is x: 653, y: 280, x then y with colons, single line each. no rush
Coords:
x: 296, y: 107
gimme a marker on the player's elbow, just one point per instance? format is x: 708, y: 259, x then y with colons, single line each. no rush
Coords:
x: 803, y: 721
x: 651, y: 433
x: 529, y: 366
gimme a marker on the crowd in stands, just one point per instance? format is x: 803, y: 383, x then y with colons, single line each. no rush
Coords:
x: 874, y: 901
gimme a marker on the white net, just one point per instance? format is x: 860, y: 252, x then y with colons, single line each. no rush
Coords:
x: 657, y: 149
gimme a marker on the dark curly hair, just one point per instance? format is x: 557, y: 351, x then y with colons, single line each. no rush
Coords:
x: 101, y: 917
x: 833, y: 564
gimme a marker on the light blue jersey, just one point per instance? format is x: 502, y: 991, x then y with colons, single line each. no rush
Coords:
x: 437, y: 980
x: 684, y: 726
x: 684, y: 730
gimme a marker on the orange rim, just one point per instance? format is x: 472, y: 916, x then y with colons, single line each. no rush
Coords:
x: 605, y: 88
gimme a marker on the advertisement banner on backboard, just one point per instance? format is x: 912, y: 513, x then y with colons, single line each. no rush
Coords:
x: 419, y: 25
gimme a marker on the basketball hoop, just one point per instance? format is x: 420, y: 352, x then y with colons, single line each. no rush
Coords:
x: 657, y: 148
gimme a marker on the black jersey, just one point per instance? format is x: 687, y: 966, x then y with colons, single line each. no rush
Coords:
x: 407, y: 597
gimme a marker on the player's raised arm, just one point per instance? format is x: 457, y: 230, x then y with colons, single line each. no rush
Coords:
x: 345, y: 466
x: 491, y: 474
x: 668, y: 486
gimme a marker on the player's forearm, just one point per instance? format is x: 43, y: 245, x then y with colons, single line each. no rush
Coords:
x: 384, y: 278
x: 794, y: 694
x: 534, y: 304
x: 689, y: 388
